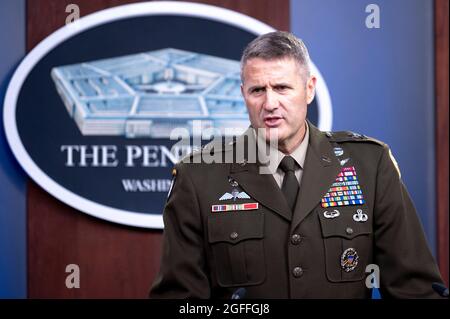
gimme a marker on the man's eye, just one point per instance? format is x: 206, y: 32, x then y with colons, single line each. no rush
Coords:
x: 257, y: 90
x: 281, y: 88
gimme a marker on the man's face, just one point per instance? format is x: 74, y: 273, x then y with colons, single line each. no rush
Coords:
x: 277, y: 97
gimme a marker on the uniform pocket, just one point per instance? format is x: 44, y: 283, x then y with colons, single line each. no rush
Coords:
x: 236, y: 239
x: 347, y: 243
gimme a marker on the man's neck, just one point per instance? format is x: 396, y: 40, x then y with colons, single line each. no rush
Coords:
x: 290, y: 145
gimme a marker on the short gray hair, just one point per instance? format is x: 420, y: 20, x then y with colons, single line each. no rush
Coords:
x: 277, y: 45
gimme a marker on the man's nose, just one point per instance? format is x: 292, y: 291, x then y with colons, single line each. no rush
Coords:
x: 271, y: 101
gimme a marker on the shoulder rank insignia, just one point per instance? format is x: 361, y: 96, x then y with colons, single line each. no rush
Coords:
x: 348, y: 136
x: 345, y: 190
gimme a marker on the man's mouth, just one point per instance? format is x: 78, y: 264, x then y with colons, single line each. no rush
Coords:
x: 272, y: 121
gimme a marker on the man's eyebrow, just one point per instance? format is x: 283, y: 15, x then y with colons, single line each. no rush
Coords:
x: 282, y: 84
x: 255, y: 87
x: 250, y: 89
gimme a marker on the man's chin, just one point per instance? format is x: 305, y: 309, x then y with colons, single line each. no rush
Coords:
x: 271, y: 135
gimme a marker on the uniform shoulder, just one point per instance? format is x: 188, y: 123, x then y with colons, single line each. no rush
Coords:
x: 352, y: 137
x: 216, y: 145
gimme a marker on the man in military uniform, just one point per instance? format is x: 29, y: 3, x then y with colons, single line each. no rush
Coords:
x: 303, y: 220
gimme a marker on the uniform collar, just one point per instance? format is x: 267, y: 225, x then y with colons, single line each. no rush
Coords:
x: 320, y: 170
x: 273, y: 158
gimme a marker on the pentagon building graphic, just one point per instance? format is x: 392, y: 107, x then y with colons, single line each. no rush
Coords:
x: 149, y: 94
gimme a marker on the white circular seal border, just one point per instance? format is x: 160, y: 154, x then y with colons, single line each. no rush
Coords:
x: 92, y: 208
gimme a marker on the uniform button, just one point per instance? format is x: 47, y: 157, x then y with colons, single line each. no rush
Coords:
x: 349, y: 230
x: 234, y: 235
x: 296, y: 239
x: 297, y: 272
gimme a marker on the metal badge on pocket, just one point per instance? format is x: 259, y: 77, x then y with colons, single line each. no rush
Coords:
x: 360, y: 216
x: 332, y: 214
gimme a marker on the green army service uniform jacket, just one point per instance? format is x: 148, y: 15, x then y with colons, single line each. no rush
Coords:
x: 310, y: 253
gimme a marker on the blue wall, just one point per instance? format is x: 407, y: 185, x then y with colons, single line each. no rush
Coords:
x: 380, y: 80
x: 12, y: 178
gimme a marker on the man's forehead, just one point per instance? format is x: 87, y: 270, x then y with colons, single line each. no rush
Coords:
x: 283, y: 60
x: 276, y: 70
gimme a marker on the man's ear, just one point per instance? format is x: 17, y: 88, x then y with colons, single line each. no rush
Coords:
x: 310, y: 89
x: 242, y: 89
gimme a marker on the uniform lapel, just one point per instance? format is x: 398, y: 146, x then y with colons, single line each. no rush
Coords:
x: 262, y: 187
x: 320, y: 171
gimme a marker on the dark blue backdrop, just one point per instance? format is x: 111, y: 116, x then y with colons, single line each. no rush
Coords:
x: 12, y: 178
x: 380, y: 81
